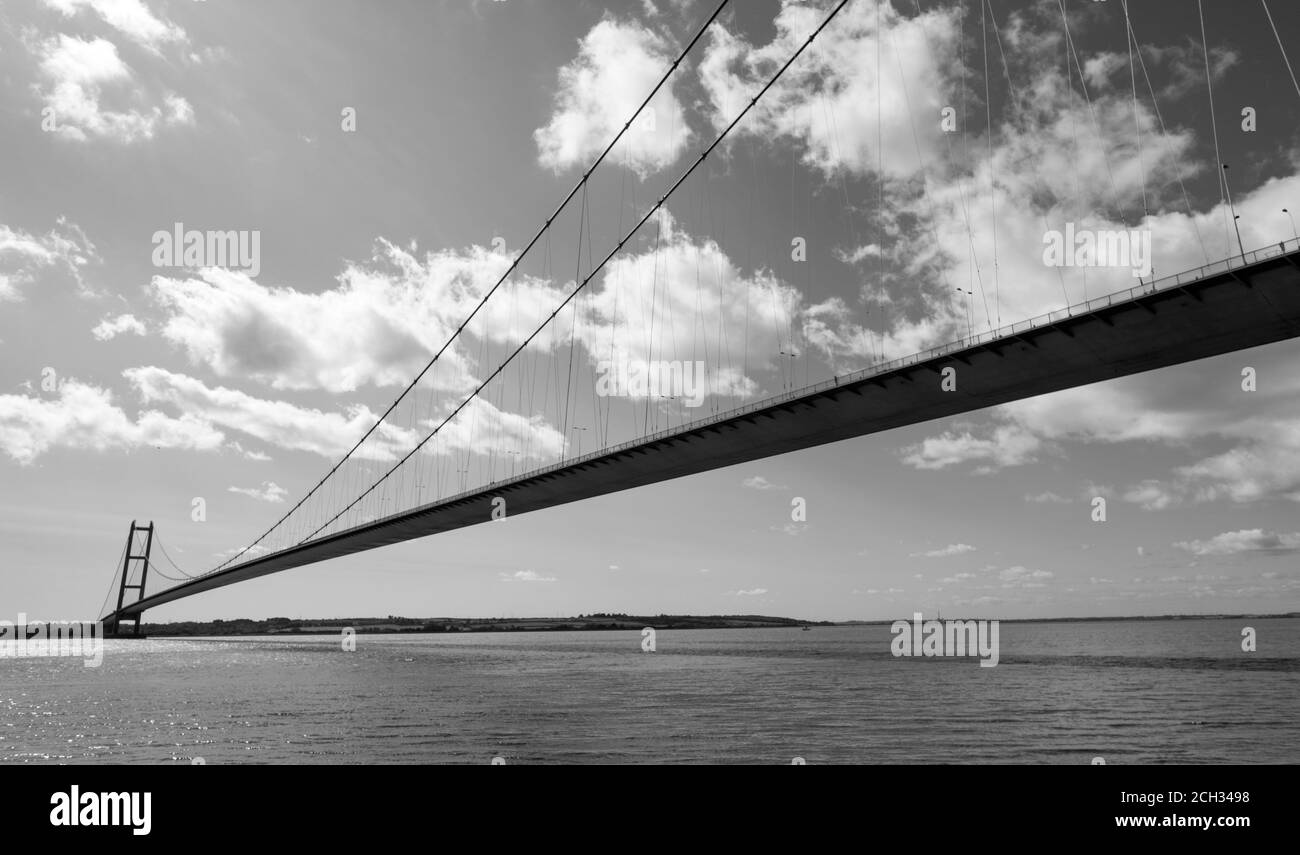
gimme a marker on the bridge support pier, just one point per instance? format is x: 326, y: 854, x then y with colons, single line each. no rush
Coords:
x: 139, y: 542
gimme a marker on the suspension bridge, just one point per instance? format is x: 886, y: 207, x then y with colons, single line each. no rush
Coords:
x: 454, y: 450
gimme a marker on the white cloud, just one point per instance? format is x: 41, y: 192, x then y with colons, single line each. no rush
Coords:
x: 1184, y: 66
x: 1150, y: 495
x: 980, y: 601
x: 249, y: 454
x: 388, y: 316
x: 526, y: 576
x: 829, y: 329
x: 68, y: 59
x: 482, y: 428
x: 250, y: 551
x: 956, y: 578
x: 752, y: 592
x: 945, y: 552
x: 1047, y: 498
x: 1007, y: 445
x: 479, y: 428
x: 837, y: 75
x: 1245, y: 540
x: 616, y: 67
x: 132, y: 18
x: 1053, y: 159
x: 1023, y: 577
x: 268, y: 492
x: 758, y: 482
x: 1111, y: 413
x: 77, y: 71
x: 110, y: 328
x: 379, y: 326
x: 1186, y: 407
x: 652, y: 298
x: 858, y: 255
x: 85, y: 417
x: 276, y: 423
x: 23, y: 255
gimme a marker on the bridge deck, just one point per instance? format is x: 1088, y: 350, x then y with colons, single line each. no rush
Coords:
x: 1237, y: 304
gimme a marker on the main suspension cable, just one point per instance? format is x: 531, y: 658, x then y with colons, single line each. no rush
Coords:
x: 514, y: 264
x: 591, y: 275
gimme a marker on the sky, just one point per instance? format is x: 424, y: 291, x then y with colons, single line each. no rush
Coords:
x: 394, y: 159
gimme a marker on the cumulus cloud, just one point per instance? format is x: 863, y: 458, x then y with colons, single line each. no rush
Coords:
x: 1151, y: 495
x: 758, y: 482
x: 1023, y: 577
x: 249, y: 454
x: 1050, y: 158
x: 980, y: 601
x: 655, y: 299
x: 526, y: 576
x: 1245, y: 540
x: 82, y: 416
x: 839, y: 73
x: 617, y: 65
x: 132, y: 18
x: 1184, y: 67
x: 250, y: 551
x: 110, y: 328
x: 945, y: 552
x: 1006, y: 445
x: 1190, y: 408
x: 268, y: 492
x: 379, y: 326
x: 77, y: 72
x: 830, y: 329
x: 24, y: 255
x: 278, y: 423
x: 481, y: 427
x: 387, y: 316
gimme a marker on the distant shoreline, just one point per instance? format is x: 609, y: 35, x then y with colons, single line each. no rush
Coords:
x: 393, y: 625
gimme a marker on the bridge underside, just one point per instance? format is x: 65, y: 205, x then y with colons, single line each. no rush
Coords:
x: 1221, y: 313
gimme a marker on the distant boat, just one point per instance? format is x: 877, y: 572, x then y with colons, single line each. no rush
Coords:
x: 805, y: 627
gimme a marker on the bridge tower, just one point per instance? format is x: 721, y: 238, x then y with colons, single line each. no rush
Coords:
x: 139, y: 542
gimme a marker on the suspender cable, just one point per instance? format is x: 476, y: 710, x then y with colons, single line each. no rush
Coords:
x: 1214, y: 124
x: 1281, y: 46
x: 1137, y: 125
x: 117, y: 568
x: 1020, y: 116
x: 1164, y: 132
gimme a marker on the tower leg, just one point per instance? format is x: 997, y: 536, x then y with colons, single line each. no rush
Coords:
x: 139, y: 537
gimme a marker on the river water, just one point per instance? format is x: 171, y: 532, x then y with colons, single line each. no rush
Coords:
x: 1127, y: 691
